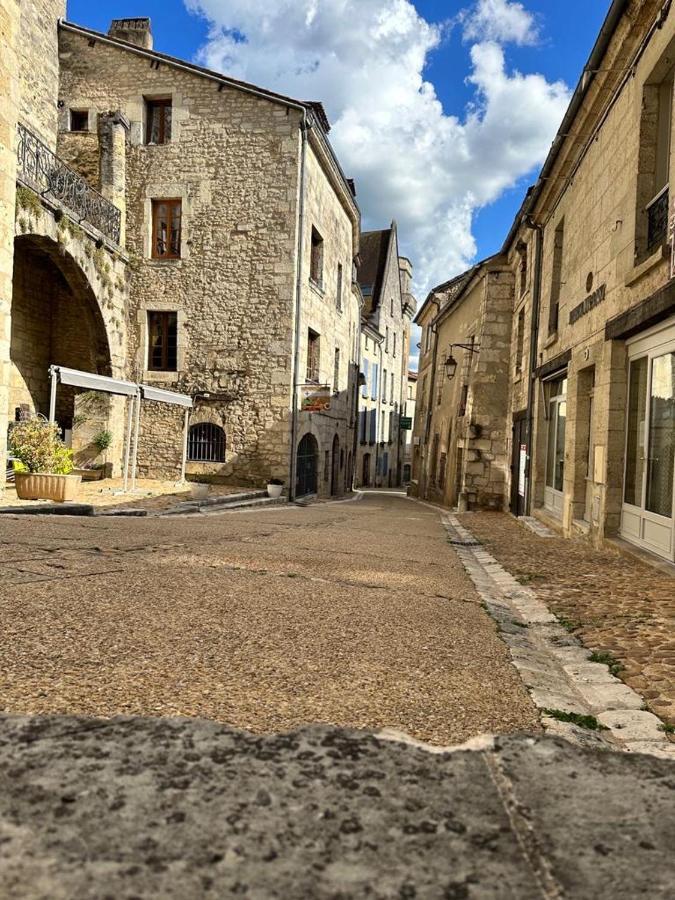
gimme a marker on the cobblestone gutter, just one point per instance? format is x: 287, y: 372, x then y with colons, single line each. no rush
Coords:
x: 557, y: 670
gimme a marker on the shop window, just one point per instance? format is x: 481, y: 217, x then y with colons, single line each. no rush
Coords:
x: 206, y: 443
x: 557, y: 421
x: 166, y: 229
x: 158, y: 121
x: 79, y: 120
x: 163, y: 341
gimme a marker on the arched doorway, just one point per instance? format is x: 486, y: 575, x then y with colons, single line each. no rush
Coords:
x: 335, y: 468
x: 55, y: 319
x: 307, y: 466
x: 365, y: 481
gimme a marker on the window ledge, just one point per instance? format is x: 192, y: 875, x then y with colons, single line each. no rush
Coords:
x: 315, y: 286
x: 170, y: 261
x: 155, y: 375
x: 641, y: 269
x: 551, y: 339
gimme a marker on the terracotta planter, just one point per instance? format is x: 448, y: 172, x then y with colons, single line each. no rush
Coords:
x: 40, y: 486
x: 274, y: 490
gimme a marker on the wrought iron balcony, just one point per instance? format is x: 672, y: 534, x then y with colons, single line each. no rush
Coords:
x: 43, y: 171
x: 657, y: 219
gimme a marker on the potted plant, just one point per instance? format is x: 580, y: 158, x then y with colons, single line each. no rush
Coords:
x: 274, y: 488
x: 45, y: 464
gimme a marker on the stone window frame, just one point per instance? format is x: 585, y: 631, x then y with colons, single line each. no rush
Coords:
x: 159, y: 102
x: 77, y: 104
x: 75, y: 111
x: 136, y: 112
x: 151, y: 375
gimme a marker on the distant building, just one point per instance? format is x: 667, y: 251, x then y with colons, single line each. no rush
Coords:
x: 388, y: 306
x: 409, y: 413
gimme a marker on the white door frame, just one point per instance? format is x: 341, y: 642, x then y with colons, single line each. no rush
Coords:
x: 553, y: 498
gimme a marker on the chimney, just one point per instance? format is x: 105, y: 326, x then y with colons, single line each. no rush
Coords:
x: 133, y: 31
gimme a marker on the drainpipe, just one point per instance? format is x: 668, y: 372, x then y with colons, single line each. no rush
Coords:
x: 304, y: 128
x: 357, y: 391
x: 427, y: 426
x: 534, y: 342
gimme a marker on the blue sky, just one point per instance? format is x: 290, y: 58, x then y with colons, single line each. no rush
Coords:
x: 482, y: 198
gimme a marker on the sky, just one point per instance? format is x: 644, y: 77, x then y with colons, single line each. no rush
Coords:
x: 442, y: 110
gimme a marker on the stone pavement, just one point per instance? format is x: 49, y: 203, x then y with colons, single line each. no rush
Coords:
x: 356, y: 614
x: 614, y: 603
x: 161, y: 808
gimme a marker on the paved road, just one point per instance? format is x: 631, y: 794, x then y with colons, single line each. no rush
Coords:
x: 356, y: 614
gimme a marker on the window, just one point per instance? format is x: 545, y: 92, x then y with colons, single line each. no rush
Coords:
x: 556, y: 277
x: 463, y: 400
x: 313, y: 350
x: 373, y: 381
x: 158, y: 121
x: 557, y: 417
x: 338, y: 296
x: 391, y: 388
x: 372, y: 437
x: 316, y: 260
x: 386, y: 339
x: 520, y: 341
x: 362, y: 425
x: 162, y: 341
x: 522, y: 273
x: 79, y: 120
x: 384, y: 385
x: 657, y: 208
x: 410, y: 392
x: 391, y: 426
x: 336, y: 370
x: 166, y: 220
x: 364, y: 386
x: 427, y: 342
x: 394, y: 346
x: 206, y: 443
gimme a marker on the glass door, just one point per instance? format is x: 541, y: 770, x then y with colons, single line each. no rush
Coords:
x: 555, y: 452
x: 648, y: 508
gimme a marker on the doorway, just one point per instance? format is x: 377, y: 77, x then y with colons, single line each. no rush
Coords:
x: 307, y: 466
x: 365, y: 480
x: 335, y: 468
x: 556, y: 392
x: 519, y: 464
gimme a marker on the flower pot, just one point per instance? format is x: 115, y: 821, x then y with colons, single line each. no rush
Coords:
x: 198, y: 490
x: 41, y: 486
x: 274, y: 490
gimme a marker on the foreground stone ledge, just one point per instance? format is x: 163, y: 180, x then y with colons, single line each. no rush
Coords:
x: 177, y: 808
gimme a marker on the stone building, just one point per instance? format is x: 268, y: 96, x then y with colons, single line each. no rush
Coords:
x: 589, y: 419
x: 407, y: 437
x: 459, y: 434
x: 385, y: 279
x: 229, y: 277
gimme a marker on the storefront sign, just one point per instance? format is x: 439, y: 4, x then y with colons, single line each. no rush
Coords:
x: 588, y: 304
x: 315, y: 397
x: 405, y: 423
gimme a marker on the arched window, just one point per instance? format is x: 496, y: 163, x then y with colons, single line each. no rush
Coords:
x: 206, y: 443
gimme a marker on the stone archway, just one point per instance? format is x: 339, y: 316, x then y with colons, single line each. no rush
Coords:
x: 307, y: 478
x: 55, y: 319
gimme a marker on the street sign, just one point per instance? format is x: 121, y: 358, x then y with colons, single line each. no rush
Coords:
x: 405, y: 423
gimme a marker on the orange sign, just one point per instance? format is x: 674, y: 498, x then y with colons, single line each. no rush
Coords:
x: 315, y: 397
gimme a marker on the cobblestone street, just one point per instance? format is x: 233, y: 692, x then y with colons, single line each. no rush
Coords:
x: 356, y: 614
x: 614, y: 603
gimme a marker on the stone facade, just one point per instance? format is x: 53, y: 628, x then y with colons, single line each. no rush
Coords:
x: 249, y: 169
x: 385, y: 279
x: 459, y: 431
x: 409, y: 405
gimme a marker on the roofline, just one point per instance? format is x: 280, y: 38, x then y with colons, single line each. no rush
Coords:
x: 305, y: 107
x: 444, y: 285
x: 587, y: 78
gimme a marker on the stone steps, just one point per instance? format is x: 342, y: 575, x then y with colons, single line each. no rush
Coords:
x: 222, y: 502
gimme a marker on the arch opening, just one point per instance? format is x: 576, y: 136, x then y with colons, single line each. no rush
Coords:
x: 307, y: 466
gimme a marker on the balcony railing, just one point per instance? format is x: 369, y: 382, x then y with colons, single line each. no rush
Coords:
x: 657, y: 219
x: 51, y: 177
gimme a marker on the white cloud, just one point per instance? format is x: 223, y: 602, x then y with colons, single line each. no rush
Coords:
x: 499, y: 20
x: 412, y: 161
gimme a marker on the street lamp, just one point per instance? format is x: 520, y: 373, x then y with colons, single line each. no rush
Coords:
x: 451, y: 363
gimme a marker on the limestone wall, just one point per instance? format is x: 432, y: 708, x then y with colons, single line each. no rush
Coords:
x: 39, y: 66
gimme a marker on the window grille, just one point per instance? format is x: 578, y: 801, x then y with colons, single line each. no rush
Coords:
x: 206, y: 443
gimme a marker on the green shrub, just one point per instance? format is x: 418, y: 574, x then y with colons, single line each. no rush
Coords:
x: 102, y: 440
x: 39, y: 448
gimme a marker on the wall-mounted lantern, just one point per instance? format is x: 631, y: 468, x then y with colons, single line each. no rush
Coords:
x: 451, y: 363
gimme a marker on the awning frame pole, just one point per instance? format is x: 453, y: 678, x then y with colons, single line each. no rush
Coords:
x: 52, y: 393
x: 186, y: 424
x: 127, y: 450
x: 137, y: 429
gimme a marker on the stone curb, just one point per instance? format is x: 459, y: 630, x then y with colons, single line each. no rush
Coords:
x: 554, y: 666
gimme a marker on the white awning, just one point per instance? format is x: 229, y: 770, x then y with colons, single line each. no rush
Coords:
x: 162, y: 396
x: 93, y: 382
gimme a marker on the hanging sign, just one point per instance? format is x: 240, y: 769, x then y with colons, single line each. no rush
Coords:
x: 315, y: 397
x: 405, y: 423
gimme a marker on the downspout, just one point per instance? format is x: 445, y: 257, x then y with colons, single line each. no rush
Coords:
x: 357, y: 392
x: 534, y: 346
x: 304, y: 128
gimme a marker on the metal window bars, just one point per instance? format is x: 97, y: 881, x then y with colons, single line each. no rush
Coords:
x: 45, y: 173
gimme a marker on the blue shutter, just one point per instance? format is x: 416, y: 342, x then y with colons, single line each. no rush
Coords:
x: 373, y: 386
